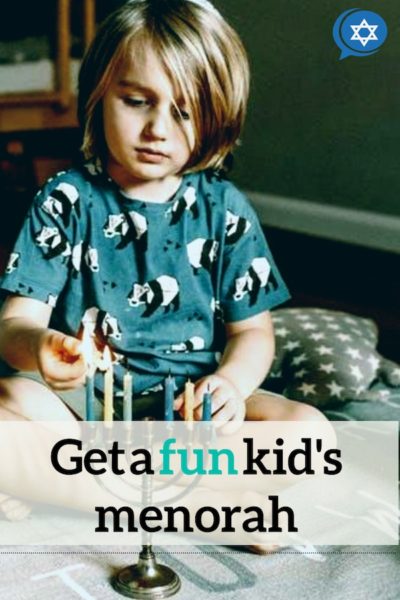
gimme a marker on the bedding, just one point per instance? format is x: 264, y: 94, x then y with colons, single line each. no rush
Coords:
x: 325, y: 357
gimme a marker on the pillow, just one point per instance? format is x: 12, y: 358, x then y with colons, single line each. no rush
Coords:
x: 324, y: 357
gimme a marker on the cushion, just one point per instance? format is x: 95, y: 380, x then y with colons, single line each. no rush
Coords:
x: 325, y: 357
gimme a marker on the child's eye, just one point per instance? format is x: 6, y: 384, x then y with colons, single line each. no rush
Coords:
x: 129, y: 101
x: 179, y: 113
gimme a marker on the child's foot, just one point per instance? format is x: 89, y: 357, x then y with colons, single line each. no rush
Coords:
x: 13, y: 509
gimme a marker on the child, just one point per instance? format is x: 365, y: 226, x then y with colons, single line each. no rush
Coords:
x: 147, y: 239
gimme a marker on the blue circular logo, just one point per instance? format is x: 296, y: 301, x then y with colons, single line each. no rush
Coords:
x: 359, y: 32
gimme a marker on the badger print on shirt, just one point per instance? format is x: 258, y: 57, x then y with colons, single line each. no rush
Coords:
x: 55, y: 241
x: 13, y: 262
x: 130, y: 227
x: 216, y: 308
x: 187, y: 202
x: 52, y: 300
x: 194, y: 343
x: 160, y: 292
x: 62, y: 201
x: 202, y: 253
x: 92, y: 259
x: 235, y: 227
x: 101, y: 324
x: 76, y: 259
x: 90, y: 256
x: 256, y: 277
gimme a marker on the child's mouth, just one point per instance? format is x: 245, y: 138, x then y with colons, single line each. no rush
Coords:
x: 149, y: 155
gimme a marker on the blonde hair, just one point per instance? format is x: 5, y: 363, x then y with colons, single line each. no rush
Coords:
x: 202, y: 54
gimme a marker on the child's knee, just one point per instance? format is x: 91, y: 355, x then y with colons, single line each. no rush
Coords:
x: 14, y: 390
x: 11, y: 389
x: 23, y: 398
x: 299, y: 411
x: 264, y: 406
x: 12, y: 393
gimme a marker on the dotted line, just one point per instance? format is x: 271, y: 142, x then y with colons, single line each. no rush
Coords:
x: 208, y: 553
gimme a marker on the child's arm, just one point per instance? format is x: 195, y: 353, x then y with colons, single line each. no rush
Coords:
x: 244, y: 365
x: 27, y: 344
x: 249, y: 353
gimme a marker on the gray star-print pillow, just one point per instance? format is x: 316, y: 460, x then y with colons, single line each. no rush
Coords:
x: 324, y: 357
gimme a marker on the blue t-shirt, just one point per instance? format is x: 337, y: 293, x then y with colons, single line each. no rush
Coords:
x: 158, y: 279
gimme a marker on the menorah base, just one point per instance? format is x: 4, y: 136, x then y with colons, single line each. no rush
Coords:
x: 147, y: 579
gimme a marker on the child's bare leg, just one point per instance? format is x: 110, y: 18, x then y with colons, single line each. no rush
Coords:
x: 21, y: 400
x: 25, y: 470
x: 262, y: 406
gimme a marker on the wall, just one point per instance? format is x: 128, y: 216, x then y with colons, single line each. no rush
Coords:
x: 320, y: 155
x: 319, y: 128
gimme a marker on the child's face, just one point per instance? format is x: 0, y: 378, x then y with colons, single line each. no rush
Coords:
x: 148, y: 131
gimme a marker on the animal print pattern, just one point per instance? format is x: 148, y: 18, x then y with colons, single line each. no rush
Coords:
x: 156, y: 280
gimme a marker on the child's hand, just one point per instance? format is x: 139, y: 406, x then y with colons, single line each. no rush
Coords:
x: 227, y: 405
x: 60, y: 361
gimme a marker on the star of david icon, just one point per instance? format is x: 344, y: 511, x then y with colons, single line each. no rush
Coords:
x: 364, y: 39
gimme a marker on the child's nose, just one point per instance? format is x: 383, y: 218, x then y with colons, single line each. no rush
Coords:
x: 157, y: 125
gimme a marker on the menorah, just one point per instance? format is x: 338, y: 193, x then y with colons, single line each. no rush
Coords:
x: 147, y: 578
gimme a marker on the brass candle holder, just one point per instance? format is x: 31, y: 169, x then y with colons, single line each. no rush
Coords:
x: 147, y: 578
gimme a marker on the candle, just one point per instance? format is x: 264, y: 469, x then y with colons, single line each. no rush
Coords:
x: 90, y: 398
x: 87, y: 349
x: 189, y: 401
x: 108, y: 386
x: 207, y: 405
x: 127, y: 401
x: 169, y: 389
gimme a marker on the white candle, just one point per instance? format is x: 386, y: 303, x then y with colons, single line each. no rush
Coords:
x: 108, y: 386
x: 127, y: 402
x: 87, y: 350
